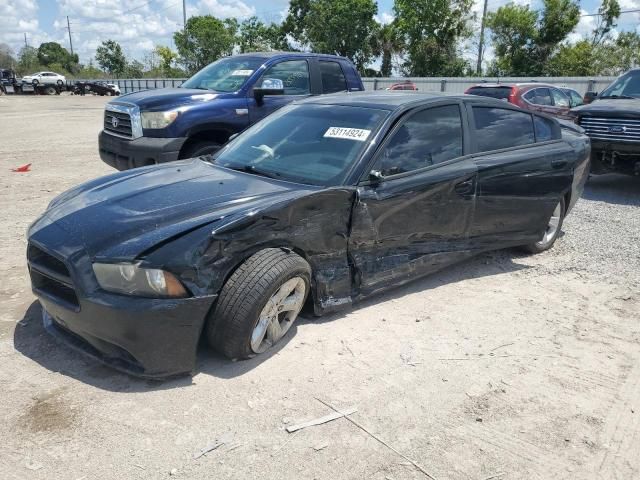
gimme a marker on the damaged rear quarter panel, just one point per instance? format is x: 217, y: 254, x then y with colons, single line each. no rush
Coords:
x: 314, y: 224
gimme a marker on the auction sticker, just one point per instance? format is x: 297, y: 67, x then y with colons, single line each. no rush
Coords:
x: 241, y: 73
x: 347, y: 133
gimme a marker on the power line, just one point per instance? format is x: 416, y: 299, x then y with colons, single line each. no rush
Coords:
x: 621, y: 12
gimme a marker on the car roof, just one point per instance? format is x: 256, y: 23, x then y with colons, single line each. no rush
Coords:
x: 515, y: 84
x: 288, y: 54
x: 385, y: 100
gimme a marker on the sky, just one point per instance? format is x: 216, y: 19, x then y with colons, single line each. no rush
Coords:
x: 139, y: 25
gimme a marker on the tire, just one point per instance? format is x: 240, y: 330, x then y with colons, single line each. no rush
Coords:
x: 234, y: 329
x: 199, y: 149
x: 552, y: 232
x: 34, y: 82
x: 50, y: 90
x: 60, y: 83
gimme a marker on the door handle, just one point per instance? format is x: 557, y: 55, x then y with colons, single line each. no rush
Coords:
x: 465, y: 188
x: 558, y: 163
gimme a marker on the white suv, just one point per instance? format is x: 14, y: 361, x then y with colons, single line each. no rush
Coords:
x: 45, y: 78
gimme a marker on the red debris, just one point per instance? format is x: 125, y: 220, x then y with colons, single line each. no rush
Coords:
x: 23, y: 168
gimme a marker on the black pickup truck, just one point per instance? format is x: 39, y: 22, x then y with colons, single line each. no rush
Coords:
x: 612, y: 121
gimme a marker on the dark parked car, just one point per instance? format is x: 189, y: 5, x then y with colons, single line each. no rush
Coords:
x: 612, y: 121
x: 327, y: 201
x: 534, y: 96
x: 224, y: 98
x: 98, y: 88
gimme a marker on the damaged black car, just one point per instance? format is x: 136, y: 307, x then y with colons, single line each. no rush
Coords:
x: 323, y: 203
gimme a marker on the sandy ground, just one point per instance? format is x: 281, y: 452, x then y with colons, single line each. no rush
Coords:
x: 507, y: 366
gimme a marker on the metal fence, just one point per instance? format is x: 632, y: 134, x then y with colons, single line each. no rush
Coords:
x: 431, y: 84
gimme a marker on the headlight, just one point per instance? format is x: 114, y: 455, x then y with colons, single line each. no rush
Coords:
x: 131, y: 279
x: 158, y: 119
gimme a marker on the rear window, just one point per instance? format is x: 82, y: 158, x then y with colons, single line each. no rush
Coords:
x: 545, y: 129
x: 498, y: 128
x: 501, y: 93
x: 332, y: 77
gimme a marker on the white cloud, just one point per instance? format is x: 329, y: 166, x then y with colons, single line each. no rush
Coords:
x: 225, y: 8
x: 384, y: 18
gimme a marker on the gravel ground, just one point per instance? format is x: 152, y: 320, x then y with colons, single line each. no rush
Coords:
x: 506, y: 366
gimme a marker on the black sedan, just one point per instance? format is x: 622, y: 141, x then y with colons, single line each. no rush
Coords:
x: 323, y: 203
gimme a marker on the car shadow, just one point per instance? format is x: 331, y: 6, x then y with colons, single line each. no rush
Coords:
x: 32, y: 340
x: 613, y: 188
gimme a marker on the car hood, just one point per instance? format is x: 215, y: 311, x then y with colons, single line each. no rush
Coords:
x: 121, y: 216
x: 610, y: 107
x: 168, y: 98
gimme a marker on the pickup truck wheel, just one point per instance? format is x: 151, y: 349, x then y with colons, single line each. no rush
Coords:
x: 34, y: 82
x: 200, y: 148
x: 50, y: 90
x: 259, y: 303
x: 59, y: 82
x: 552, y: 232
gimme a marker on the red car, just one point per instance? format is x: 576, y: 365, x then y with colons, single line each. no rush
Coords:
x: 407, y: 85
x: 534, y: 96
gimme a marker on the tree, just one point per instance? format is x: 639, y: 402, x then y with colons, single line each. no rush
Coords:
x: 6, y: 56
x: 205, y: 40
x: 525, y: 40
x: 609, y: 12
x: 513, y: 31
x: 52, y: 53
x: 431, y: 31
x: 388, y: 44
x: 167, y: 57
x: 253, y: 36
x: 341, y: 27
x: 110, y: 57
x: 28, y: 61
x: 134, y: 69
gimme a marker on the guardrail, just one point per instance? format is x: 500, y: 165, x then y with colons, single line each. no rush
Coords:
x: 425, y: 84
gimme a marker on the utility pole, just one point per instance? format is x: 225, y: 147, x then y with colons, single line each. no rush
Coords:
x: 25, y: 40
x: 69, y: 28
x: 481, y: 46
x: 184, y: 16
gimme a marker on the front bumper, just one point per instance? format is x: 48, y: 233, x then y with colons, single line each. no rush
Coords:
x: 144, y: 337
x: 123, y: 154
x: 618, y: 157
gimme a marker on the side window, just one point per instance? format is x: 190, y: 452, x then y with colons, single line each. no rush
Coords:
x: 576, y: 99
x: 544, y: 129
x: 332, y: 77
x: 539, y: 96
x: 498, y: 128
x: 426, y: 138
x: 294, y: 75
x: 559, y: 98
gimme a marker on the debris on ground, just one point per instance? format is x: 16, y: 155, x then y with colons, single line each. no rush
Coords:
x: 319, y: 421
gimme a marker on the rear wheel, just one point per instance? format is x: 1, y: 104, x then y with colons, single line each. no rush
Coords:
x: 259, y: 303
x: 34, y: 82
x: 50, y: 90
x: 552, y: 231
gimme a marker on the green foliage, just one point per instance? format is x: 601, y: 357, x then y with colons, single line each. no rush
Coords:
x: 388, y: 44
x: 205, y: 40
x: 525, y: 40
x: 253, y: 36
x: 431, y: 31
x: 57, y: 58
x: 28, y: 61
x: 7, y: 59
x: 340, y: 27
x: 609, y: 12
x: 134, y: 69
x: 90, y: 72
x: 110, y: 57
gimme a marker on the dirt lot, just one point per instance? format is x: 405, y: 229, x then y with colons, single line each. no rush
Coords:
x: 507, y: 366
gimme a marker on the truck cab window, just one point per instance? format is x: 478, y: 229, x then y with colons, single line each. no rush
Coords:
x: 294, y: 75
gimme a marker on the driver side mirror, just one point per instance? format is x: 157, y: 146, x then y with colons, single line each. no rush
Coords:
x: 270, y: 86
x: 375, y: 177
x: 590, y: 97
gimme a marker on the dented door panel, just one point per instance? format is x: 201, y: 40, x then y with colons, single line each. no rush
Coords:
x: 413, y: 225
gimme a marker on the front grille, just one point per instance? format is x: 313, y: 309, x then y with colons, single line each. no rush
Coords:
x: 123, y: 126
x: 616, y: 129
x: 50, y: 276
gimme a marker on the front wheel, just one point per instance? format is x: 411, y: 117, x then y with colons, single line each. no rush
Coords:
x: 50, y: 90
x: 552, y: 231
x: 259, y: 303
x: 199, y: 149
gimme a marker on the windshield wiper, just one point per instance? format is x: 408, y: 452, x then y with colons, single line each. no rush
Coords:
x: 620, y: 96
x: 253, y: 170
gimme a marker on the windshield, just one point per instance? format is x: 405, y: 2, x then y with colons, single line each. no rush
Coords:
x: 627, y: 86
x: 226, y: 75
x: 311, y: 144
